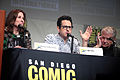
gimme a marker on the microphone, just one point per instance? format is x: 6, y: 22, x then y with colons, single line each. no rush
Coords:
x: 114, y: 43
x: 21, y: 27
x: 69, y: 35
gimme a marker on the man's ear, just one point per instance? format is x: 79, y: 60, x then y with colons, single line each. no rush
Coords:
x: 58, y: 28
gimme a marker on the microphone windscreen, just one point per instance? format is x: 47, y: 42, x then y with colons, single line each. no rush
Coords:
x: 20, y: 26
x: 69, y: 35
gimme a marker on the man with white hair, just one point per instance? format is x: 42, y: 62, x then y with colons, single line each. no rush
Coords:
x: 107, y: 41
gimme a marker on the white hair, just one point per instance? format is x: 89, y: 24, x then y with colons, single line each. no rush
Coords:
x: 110, y: 30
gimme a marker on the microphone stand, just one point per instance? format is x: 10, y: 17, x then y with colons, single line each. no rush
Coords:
x: 69, y: 35
x: 72, y: 44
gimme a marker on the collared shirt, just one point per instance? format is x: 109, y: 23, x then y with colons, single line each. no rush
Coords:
x: 63, y: 47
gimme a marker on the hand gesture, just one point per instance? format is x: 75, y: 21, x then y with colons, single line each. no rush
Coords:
x: 99, y: 43
x: 87, y: 33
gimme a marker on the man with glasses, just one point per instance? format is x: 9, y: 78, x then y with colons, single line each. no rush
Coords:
x: 64, y: 27
x: 107, y: 41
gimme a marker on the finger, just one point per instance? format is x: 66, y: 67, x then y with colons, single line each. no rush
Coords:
x: 89, y: 29
x: 80, y: 32
x: 99, y: 40
x: 98, y: 36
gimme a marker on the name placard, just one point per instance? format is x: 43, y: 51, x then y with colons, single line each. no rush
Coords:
x: 91, y: 51
x: 46, y: 47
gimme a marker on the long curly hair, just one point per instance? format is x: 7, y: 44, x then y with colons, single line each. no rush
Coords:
x: 11, y: 18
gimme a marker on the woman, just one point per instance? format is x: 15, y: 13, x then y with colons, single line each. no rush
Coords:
x: 16, y: 35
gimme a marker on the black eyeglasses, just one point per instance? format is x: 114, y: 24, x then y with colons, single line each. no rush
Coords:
x: 66, y: 27
x: 108, y: 38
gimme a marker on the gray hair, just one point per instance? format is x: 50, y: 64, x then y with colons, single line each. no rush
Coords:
x: 110, y: 30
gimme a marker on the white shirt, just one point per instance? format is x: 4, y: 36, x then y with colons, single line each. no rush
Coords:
x: 63, y: 47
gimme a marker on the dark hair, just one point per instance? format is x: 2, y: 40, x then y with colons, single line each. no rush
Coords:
x: 64, y: 17
x: 10, y: 20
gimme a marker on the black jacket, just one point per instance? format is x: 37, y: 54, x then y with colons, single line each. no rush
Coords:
x: 111, y: 51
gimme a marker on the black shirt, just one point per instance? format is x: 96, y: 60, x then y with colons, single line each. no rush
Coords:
x: 111, y: 51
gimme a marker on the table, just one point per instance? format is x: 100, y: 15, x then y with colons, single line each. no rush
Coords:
x: 25, y: 64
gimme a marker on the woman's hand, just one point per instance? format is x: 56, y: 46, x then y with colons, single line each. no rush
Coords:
x: 17, y: 47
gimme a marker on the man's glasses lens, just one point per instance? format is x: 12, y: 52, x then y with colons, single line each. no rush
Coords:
x: 108, y: 38
x: 66, y: 27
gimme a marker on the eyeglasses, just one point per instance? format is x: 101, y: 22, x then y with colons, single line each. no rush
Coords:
x: 66, y: 27
x: 110, y: 39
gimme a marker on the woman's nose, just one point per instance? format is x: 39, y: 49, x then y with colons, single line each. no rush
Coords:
x: 22, y: 20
